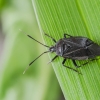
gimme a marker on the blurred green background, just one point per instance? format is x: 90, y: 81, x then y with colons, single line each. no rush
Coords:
x: 17, y: 51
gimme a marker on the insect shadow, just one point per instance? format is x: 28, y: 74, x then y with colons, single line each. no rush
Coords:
x: 71, y: 47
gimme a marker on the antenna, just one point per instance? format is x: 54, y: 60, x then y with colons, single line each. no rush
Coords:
x: 34, y: 60
x: 34, y: 39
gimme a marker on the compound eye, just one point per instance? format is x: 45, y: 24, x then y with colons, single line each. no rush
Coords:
x: 88, y: 42
x: 66, y: 47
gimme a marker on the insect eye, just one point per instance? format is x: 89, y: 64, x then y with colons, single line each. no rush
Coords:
x: 66, y: 47
x: 88, y: 42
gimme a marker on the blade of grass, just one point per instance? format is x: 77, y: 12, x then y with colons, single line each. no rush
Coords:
x: 75, y: 17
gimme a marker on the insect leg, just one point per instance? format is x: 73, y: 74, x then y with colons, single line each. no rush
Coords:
x: 75, y: 63
x: 53, y: 59
x: 81, y: 64
x: 86, y: 63
x: 67, y: 35
x: 69, y: 67
x: 51, y: 37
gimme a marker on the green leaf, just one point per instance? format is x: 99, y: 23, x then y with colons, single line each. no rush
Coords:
x: 77, y: 18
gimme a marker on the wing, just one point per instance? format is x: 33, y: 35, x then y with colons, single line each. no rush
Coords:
x: 77, y: 50
x: 78, y: 41
x: 94, y: 49
x: 77, y: 54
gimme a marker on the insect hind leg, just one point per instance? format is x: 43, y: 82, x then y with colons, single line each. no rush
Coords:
x: 83, y: 63
x: 63, y: 63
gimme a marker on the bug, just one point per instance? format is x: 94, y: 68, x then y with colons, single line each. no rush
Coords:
x: 71, y: 47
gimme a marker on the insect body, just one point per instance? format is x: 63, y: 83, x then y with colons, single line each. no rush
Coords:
x: 72, y: 47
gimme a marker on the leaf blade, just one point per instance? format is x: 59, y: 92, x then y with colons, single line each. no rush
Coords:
x: 54, y: 17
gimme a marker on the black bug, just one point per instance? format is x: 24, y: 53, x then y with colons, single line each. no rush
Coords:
x: 74, y: 48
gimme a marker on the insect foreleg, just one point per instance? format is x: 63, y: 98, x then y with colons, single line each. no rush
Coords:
x: 53, y: 59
